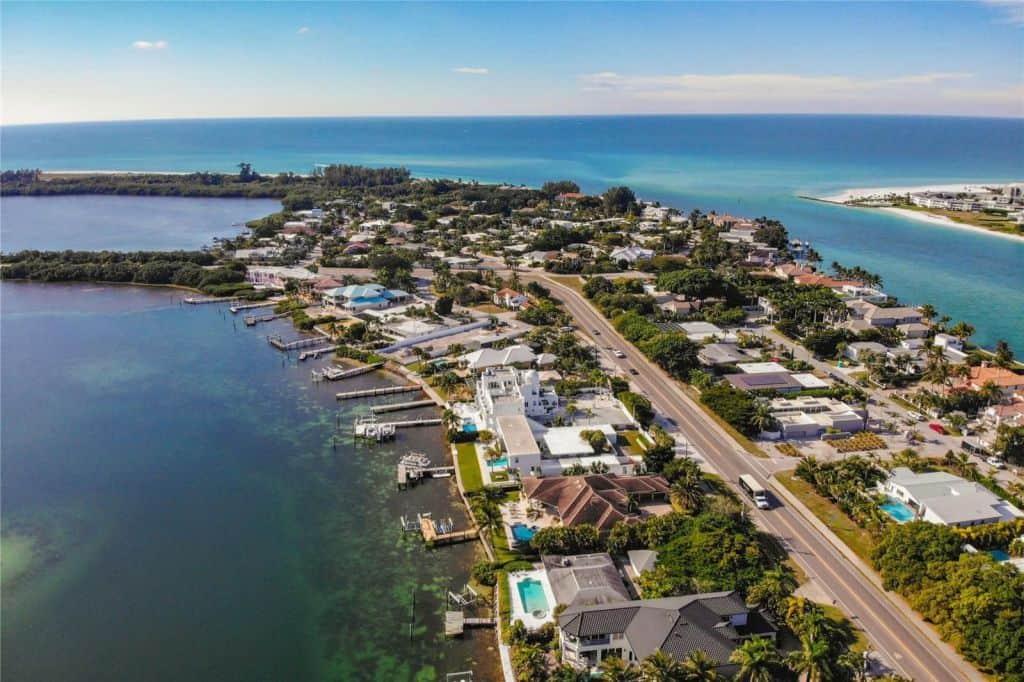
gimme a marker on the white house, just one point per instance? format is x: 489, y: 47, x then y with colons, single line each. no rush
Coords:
x: 809, y: 417
x: 484, y: 358
x: 510, y: 298
x: 943, y: 498
x: 631, y: 254
x: 506, y: 391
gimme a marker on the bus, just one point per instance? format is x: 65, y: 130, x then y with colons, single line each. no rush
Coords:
x: 974, y: 447
x: 755, y: 491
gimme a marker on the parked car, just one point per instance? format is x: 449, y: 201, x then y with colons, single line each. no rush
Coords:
x: 633, y: 371
x: 937, y: 428
x: 996, y: 462
x: 619, y: 354
x: 916, y: 416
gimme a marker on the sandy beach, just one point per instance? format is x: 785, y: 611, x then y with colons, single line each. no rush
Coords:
x: 941, y: 221
x: 881, y: 192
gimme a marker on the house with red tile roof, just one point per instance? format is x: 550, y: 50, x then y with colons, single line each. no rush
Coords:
x: 601, y: 500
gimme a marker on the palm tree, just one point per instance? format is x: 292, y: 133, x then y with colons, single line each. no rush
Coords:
x: 990, y: 392
x: 450, y: 420
x: 962, y: 331
x: 763, y: 418
x: 1003, y: 354
x: 687, y: 492
x: 660, y: 667
x: 614, y: 669
x: 758, y: 660
x: 530, y: 664
x: 486, y: 513
x: 813, y: 660
x: 773, y: 589
x: 698, y: 667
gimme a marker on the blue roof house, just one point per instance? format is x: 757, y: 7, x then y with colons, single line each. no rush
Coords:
x: 356, y: 297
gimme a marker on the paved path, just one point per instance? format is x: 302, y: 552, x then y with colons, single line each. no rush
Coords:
x: 890, y: 625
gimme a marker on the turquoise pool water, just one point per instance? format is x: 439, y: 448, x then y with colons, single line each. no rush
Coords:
x: 897, y: 510
x: 469, y: 428
x: 522, y: 532
x: 531, y: 592
x: 999, y: 555
x: 498, y: 463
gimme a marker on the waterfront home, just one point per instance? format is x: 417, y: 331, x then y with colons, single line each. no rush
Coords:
x: 600, y: 500
x: 507, y: 391
x: 485, y: 358
x: 1011, y: 384
x: 584, y: 579
x: 276, y: 277
x: 358, y: 297
x: 939, y: 497
x: 715, y: 623
x: 1012, y: 414
x: 783, y: 382
x: 809, y: 417
x: 858, y: 350
x: 509, y: 298
x: 878, y: 316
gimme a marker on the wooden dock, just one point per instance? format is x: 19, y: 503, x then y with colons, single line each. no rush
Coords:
x: 425, y: 421
x: 432, y: 536
x: 253, y: 320
x: 280, y: 344
x: 455, y: 623
x: 192, y: 300
x: 336, y: 373
x: 410, y: 475
x: 253, y: 306
x: 316, y: 352
x: 371, y: 392
x: 395, y: 407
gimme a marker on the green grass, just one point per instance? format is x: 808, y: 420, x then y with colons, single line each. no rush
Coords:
x: 860, y: 643
x: 747, y: 444
x: 571, y: 281
x: 637, y: 442
x: 855, y: 537
x: 469, y: 467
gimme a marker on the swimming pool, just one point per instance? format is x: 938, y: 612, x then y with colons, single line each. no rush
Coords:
x: 900, y: 512
x: 522, y: 533
x: 469, y: 428
x: 999, y: 555
x: 498, y: 463
x: 531, y: 593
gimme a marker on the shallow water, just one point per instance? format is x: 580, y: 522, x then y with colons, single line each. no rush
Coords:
x: 187, y: 513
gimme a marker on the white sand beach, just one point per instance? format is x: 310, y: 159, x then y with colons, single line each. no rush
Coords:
x: 942, y: 221
x: 881, y: 192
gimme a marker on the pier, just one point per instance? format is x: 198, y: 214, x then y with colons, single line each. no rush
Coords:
x: 370, y: 429
x: 252, y: 306
x: 280, y: 344
x: 395, y: 407
x: 455, y: 623
x: 253, y: 320
x: 371, y: 392
x: 316, y: 352
x: 443, y: 532
x: 192, y: 300
x: 331, y: 373
x: 425, y: 421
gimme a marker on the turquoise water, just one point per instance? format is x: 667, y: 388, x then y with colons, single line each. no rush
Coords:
x: 999, y: 555
x: 531, y: 592
x: 498, y: 463
x: 751, y: 165
x: 188, y: 513
x: 123, y: 223
x: 522, y: 532
x: 900, y: 512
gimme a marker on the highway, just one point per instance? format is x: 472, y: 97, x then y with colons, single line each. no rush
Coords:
x: 892, y: 628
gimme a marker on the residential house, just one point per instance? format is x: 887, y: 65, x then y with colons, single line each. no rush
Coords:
x: 631, y: 254
x: 507, y: 391
x: 510, y: 298
x: 479, y: 360
x: 783, y: 382
x: 1010, y: 384
x: 584, y: 579
x: 358, y: 297
x: 939, y: 497
x: 810, y: 417
x: 600, y: 500
x: 714, y: 623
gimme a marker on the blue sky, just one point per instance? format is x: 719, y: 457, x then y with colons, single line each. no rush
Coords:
x: 86, y: 61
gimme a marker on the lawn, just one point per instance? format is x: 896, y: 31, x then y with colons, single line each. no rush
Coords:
x: 489, y: 308
x: 571, y: 281
x: 855, y: 537
x: 469, y: 467
x: 637, y: 442
x: 860, y: 643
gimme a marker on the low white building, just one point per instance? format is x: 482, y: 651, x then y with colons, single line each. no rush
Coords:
x: 946, y: 499
x: 485, y: 358
x: 631, y: 254
x: 809, y: 417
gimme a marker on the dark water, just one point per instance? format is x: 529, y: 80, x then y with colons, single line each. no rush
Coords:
x: 751, y: 165
x: 173, y: 508
x: 123, y: 223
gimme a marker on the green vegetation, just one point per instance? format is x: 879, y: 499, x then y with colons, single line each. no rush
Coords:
x: 855, y: 537
x: 469, y: 467
x: 192, y: 269
x: 976, y: 603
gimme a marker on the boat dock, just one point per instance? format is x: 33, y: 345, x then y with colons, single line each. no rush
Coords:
x: 455, y: 623
x: 193, y: 300
x: 280, y: 344
x: 253, y: 320
x: 395, y: 407
x: 252, y: 306
x: 371, y: 392
x: 316, y: 352
x: 443, y: 532
x: 425, y: 421
x: 332, y: 373
x: 410, y: 475
x: 370, y: 429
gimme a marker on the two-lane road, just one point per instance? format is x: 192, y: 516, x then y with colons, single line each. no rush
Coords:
x: 888, y: 625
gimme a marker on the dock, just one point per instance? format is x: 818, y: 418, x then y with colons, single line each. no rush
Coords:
x: 331, y: 373
x: 371, y: 392
x: 280, y: 344
x: 425, y: 421
x: 395, y: 407
x: 252, y: 306
x: 443, y: 532
x: 370, y: 429
x: 456, y: 622
x: 316, y: 352
x: 193, y: 300
x: 253, y: 320
x: 410, y: 475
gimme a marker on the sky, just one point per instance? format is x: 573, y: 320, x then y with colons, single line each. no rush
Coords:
x: 83, y: 61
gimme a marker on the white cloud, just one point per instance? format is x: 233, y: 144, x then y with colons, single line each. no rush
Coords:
x: 149, y: 44
x: 303, y: 30
x: 1012, y: 10
x: 745, y: 86
x: 472, y: 70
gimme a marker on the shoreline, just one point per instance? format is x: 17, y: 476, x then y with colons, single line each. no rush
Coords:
x: 851, y: 193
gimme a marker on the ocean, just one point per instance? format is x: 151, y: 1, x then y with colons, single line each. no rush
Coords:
x: 175, y: 506
x: 748, y: 165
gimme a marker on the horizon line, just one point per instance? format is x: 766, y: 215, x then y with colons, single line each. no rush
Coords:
x: 327, y: 117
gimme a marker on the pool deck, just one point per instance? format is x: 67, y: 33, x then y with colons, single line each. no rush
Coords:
x: 519, y: 611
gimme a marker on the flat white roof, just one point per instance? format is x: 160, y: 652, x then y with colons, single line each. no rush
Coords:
x: 565, y: 441
x: 517, y: 436
x: 810, y: 381
x: 760, y: 367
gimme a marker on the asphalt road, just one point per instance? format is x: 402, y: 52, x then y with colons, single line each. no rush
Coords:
x: 891, y: 629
